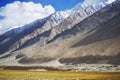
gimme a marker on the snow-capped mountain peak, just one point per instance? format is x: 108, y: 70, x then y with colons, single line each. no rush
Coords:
x: 97, y: 4
x: 110, y: 1
x: 91, y: 2
x: 59, y: 16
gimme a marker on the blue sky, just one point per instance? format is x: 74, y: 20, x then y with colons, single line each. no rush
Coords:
x: 57, y: 4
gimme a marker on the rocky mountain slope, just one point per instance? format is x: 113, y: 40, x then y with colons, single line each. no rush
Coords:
x: 80, y: 38
x: 96, y: 38
x: 17, y: 38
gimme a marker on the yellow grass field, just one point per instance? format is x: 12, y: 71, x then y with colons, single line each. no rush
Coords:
x: 54, y: 75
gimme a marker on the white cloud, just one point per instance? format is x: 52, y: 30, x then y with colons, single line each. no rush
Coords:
x: 20, y: 13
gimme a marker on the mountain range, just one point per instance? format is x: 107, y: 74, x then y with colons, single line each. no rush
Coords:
x: 87, y: 34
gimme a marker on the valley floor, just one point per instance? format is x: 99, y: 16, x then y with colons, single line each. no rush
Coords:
x: 56, y: 75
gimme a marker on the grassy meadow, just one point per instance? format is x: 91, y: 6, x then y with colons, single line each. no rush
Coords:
x: 56, y: 75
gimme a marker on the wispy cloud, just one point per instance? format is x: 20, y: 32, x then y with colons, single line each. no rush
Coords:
x: 20, y: 13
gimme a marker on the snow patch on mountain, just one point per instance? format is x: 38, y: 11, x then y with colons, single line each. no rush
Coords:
x: 60, y: 16
x: 110, y: 1
x: 92, y: 2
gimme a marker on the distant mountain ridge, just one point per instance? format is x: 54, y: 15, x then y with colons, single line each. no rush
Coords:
x: 38, y: 27
x: 87, y: 36
x: 59, y: 16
